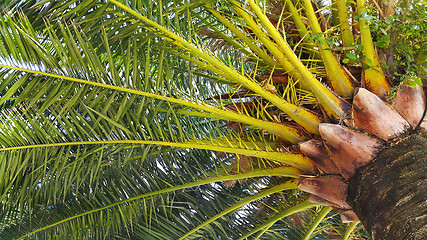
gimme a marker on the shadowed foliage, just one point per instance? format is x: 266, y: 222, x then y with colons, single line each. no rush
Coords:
x: 134, y: 119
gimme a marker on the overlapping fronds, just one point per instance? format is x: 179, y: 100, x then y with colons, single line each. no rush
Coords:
x: 123, y: 119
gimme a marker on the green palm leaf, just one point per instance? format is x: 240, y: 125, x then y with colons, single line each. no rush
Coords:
x: 165, y: 119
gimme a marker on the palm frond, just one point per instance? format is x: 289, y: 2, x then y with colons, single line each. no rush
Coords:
x: 125, y: 119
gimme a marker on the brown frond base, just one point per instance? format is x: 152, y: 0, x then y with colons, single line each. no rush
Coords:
x: 375, y: 117
x: 348, y: 216
x: 316, y: 151
x: 331, y: 188
x: 385, y: 189
x: 390, y: 194
x: 410, y: 102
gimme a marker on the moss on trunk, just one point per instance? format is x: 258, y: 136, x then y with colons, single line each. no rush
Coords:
x: 390, y: 194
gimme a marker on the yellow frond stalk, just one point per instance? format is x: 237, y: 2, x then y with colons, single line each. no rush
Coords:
x: 287, y: 133
x: 346, y: 34
x: 333, y: 105
x: 242, y: 37
x: 338, y: 77
x: 264, y: 38
x: 374, y: 78
x: 300, y: 115
x: 299, y: 24
x: 298, y: 161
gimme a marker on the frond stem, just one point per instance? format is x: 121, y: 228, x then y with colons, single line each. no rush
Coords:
x: 333, y: 105
x: 299, y: 24
x: 305, y: 118
x: 374, y: 76
x: 349, y: 230
x: 290, y: 134
x: 296, y: 160
x: 338, y: 77
x: 346, y: 34
x: 257, y: 50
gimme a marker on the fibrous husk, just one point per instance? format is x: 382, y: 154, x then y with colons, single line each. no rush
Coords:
x: 316, y: 199
x: 331, y: 188
x: 348, y: 149
x: 374, y: 116
x: 317, y: 153
x: 410, y: 102
x: 348, y: 216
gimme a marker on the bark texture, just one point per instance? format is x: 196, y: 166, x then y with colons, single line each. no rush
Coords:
x: 390, y: 194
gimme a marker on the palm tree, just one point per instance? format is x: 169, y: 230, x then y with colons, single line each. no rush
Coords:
x: 182, y: 119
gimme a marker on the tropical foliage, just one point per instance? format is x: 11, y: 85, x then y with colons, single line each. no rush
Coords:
x: 175, y: 119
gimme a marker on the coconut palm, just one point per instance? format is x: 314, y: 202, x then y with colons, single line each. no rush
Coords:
x: 206, y: 120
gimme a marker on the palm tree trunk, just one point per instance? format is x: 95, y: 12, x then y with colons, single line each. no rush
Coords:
x: 390, y: 194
